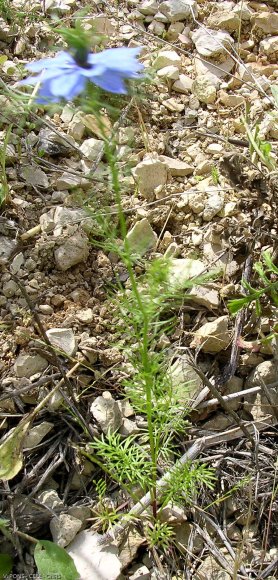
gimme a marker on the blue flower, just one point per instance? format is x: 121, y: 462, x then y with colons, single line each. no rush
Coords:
x: 66, y: 76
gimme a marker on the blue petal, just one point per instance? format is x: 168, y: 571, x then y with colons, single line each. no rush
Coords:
x: 60, y: 60
x: 118, y: 59
x: 67, y: 86
x: 45, y: 96
x: 111, y: 82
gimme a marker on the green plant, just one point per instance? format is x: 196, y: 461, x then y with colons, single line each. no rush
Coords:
x: 215, y: 175
x: 266, y: 270
x: 4, y: 187
x: 259, y: 149
x: 159, y: 535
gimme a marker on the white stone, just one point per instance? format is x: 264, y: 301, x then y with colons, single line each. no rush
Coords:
x: 27, y: 365
x: 183, y: 84
x: 140, y: 573
x: 176, y: 10
x: 128, y: 428
x: 76, y: 128
x: 17, y: 263
x: 182, y: 270
x: 224, y: 20
x: 72, y: 251
x: 212, y: 336
x: 265, y: 373
x: 63, y: 340
x: 141, y: 238
x: 85, y: 316
x: 106, y: 412
x: 204, y: 90
x: 148, y: 7
x: 93, y: 149
x: 49, y: 498
x: 213, y: 72
x: 214, y: 148
x: 267, y: 22
x: 149, y: 174
x: 210, y: 43
x: 176, y: 167
x: 167, y: 58
x: 68, y: 181
x: 174, y: 105
x: 64, y: 529
x: 169, y: 72
x: 93, y: 561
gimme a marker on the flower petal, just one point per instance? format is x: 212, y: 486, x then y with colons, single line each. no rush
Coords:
x: 110, y: 81
x: 61, y: 59
x: 118, y: 59
x: 68, y: 85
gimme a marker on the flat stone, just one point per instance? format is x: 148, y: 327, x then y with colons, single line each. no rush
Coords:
x: 269, y: 46
x: 167, y: 58
x: 204, y: 90
x: 94, y: 561
x: 17, y: 263
x: 150, y: 174
x: 205, y: 296
x: 224, y: 20
x: 93, y: 149
x: 68, y: 181
x: 169, y: 72
x: 183, y: 84
x: 141, y: 238
x: 230, y: 100
x: 64, y: 529
x: 33, y: 175
x: 174, y: 105
x: 213, y: 336
x: 183, y: 269
x: 148, y: 7
x: 7, y: 247
x: 10, y: 288
x: 267, y: 22
x: 106, y: 412
x: 28, y: 365
x: 213, y: 72
x: 36, y: 434
x: 265, y: 373
x: 176, y: 167
x: 176, y: 10
x: 210, y: 43
x: 74, y: 250
x: 63, y: 339
x: 185, y: 382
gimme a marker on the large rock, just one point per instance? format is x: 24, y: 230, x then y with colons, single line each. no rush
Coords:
x: 176, y: 10
x: 213, y: 336
x: 28, y: 365
x: 149, y: 174
x: 72, y: 251
x: 212, y: 44
x: 94, y: 561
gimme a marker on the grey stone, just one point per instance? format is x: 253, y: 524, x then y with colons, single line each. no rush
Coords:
x: 7, y: 247
x: 265, y: 373
x: 28, y: 365
x: 10, y: 288
x: 74, y: 250
x: 62, y: 339
x: 141, y: 238
x: 178, y: 9
x: 214, y: 204
x: 64, y: 529
x: 269, y: 46
x: 106, y: 412
x: 183, y: 84
x: 213, y: 336
x: 148, y: 7
x: 205, y: 295
x: 185, y: 382
x: 85, y: 316
x: 33, y: 175
x: 17, y: 263
x: 36, y: 434
x: 169, y: 72
x: 210, y: 43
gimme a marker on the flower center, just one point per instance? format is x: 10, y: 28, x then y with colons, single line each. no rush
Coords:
x: 81, y: 58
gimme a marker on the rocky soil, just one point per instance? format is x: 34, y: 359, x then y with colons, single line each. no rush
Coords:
x: 192, y: 190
